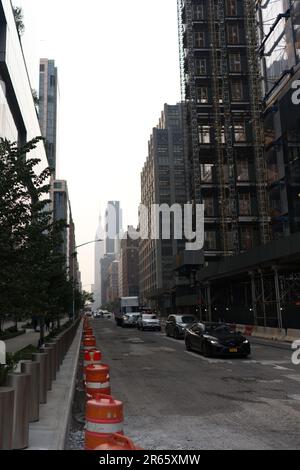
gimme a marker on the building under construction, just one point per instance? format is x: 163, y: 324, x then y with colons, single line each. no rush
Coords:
x: 248, y: 276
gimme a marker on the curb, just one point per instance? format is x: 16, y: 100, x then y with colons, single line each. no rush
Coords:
x: 72, y: 386
x: 50, y: 432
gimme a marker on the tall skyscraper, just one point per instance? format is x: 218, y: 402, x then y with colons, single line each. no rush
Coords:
x: 221, y: 83
x: 164, y: 180
x: 129, y: 267
x: 113, y: 226
x: 279, y: 48
x: 18, y: 119
x: 99, y: 253
x: 239, y: 69
x: 48, y: 96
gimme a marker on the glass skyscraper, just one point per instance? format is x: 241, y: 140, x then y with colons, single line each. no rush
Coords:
x: 48, y: 95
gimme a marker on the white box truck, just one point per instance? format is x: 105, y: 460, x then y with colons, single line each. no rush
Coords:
x: 127, y: 305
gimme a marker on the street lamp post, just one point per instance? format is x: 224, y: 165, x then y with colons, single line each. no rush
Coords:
x: 73, y: 270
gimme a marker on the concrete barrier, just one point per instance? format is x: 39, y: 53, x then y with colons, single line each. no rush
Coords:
x: 292, y: 335
x: 249, y: 330
x: 275, y: 334
x: 240, y: 328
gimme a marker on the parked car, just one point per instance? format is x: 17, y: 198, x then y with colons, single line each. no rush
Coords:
x: 177, y: 324
x: 216, y: 339
x: 148, y: 321
x: 97, y: 315
x: 106, y: 314
x: 130, y: 319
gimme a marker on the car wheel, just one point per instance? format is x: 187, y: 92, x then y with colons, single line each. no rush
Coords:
x: 207, y: 350
x: 188, y: 345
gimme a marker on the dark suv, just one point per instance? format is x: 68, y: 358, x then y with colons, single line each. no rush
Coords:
x: 177, y: 324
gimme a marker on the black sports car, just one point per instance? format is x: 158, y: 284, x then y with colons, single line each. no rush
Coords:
x: 216, y: 339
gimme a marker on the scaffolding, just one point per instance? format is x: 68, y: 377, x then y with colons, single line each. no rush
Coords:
x: 223, y: 124
x: 256, y: 120
x: 185, y: 8
x: 216, y: 40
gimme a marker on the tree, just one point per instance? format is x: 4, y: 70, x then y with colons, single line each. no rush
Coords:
x: 33, y: 274
x: 35, y: 98
x: 19, y: 19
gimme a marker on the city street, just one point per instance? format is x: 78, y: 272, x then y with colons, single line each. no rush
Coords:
x: 174, y: 399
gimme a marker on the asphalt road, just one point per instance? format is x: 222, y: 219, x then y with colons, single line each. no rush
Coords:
x: 174, y: 399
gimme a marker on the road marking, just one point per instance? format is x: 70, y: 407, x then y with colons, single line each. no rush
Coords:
x: 294, y: 397
x: 282, y: 368
x: 293, y: 377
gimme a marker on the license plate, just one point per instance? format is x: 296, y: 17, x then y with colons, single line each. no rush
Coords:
x: 233, y: 350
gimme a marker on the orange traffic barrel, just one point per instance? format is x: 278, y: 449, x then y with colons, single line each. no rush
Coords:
x: 91, y: 357
x: 88, y: 331
x: 118, y: 442
x: 104, y: 417
x: 97, y: 380
x: 89, y: 343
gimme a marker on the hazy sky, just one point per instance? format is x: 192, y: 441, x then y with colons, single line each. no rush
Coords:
x: 118, y: 64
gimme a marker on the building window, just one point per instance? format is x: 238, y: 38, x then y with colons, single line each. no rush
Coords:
x: 239, y: 131
x: 247, y: 238
x: 42, y: 67
x: 231, y: 7
x: 235, y: 63
x: 233, y: 34
x: 163, y: 159
x: 207, y: 172
x: 204, y: 134
x: 237, y: 91
x: 244, y: 204
x: 199, y: 12
x: 210, y: 240
x: 200, y: 67
x: 199, y: 39
x: 242, y: 169
x: 52, y: 80
x: 202, y: 95
x: 209, y: 206
x: 223, y: 141
x: 220, y: 92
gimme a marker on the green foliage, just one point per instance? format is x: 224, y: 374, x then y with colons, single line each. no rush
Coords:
x: 19, y: 19
x: 33, y: 275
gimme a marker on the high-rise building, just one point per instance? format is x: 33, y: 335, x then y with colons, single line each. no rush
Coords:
x: 105, y: 264
x: 129, y: 267
x: 62, y: 211
x: 164, y: 180
x: 18, y: 118
x: 221, y: 83
x: 113, y: 281
x: 48, y: 96
x: 99, y: 253
x: 244, y: 155
x: 279, y: 49
x: 113, y: 226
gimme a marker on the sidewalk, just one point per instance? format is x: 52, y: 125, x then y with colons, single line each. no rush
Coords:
x: 19, y: 342
x: 49, y: 433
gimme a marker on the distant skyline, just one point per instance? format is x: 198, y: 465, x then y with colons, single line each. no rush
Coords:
x: 113, y: 85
